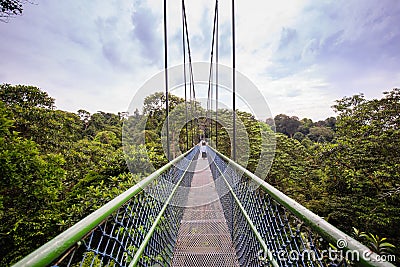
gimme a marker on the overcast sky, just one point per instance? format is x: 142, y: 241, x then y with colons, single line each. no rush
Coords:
x: 302, y: 55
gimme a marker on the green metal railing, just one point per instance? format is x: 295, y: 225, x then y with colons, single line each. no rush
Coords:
x: 269, y: 228
x: 137, y: 228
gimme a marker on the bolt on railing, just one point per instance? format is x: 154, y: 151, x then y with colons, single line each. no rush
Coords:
x: 269, y: 228
x: 137, y: 228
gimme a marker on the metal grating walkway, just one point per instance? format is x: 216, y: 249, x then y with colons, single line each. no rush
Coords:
x: 203, y: 238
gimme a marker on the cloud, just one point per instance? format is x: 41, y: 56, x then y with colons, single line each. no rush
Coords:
x: 349, y: 45
x: 359, y: 43
x: 145, y: 24
x: 303, y: 94
x: 111, y: 54
x: 288, y: 35
x: 110, y: 42
x: 302, y: 54
x: 225, y: 42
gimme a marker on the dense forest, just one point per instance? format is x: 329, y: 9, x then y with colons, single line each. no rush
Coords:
x: 56, y: 166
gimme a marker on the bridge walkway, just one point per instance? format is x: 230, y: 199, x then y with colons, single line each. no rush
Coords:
x: 203, y: 238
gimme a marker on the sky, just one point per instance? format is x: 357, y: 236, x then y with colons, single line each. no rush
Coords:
x: 302, y: 55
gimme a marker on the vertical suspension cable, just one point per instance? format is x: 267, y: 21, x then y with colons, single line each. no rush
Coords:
x: 196, y: 121
x: 191, y: 81
x: 193, y: 99
x: 191, y: 103
x: 210, y: 78
x: 211, y: 107
x: 191, y: 109
x: 216, y: 83
x: 166, y: 76
x: 209, y: 104
x: 184, y: 76
x: 233, y: 81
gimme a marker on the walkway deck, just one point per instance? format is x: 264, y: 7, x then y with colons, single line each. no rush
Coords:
x: 203, y: 238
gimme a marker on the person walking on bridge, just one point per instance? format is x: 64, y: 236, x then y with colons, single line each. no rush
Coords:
x: 203, y: 149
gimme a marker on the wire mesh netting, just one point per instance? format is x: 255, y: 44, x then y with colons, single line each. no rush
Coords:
x: 117, y: 239
x: 203, y: 237
x: 288, y: 240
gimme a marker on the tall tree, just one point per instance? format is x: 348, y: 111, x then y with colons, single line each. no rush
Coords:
x: 287, y: 125
x: 23, y: 96
x: 320, y: 134
x: 10, y: 8
x: 362, y: 169
x: 36, y: 119
x: 30, y: 192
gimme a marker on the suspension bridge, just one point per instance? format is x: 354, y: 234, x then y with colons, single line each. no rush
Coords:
x: 202, y: 212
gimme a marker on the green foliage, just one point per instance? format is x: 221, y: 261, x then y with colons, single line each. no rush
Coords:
x: 293, y: 170
x: 320, y: 131
x: 352, y: 177
x: 287, y: 125
x: 5, y: 122
x: 93, y: 260
x: 30, y: 188
x: 299, y: 136
x: 378, y: 245
x: 35, y: 118
x: 375, y: 243
x: 93, y: 193
x: 56, y: 167
x: 364, y: 164
x: 108, y: 137
x: 305, y: 126
x: 25, y: 97
x: 147, y: 128
x: 154, y: 105
x: 101, y: 121
x: 137, y: 157
x: 357, y: 233
x: 320, y: 134
x: 9, y: 8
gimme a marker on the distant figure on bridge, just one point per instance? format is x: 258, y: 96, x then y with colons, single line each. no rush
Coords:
x: 203, y: 150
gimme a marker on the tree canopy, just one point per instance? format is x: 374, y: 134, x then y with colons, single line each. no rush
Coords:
x: 56, y: 166
x: 9, y: 8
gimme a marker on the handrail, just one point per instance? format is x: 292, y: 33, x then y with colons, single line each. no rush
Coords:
x: 316, y: 223
x: 53, y: 249
x: 140, y: 250
x: 249, y: 221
